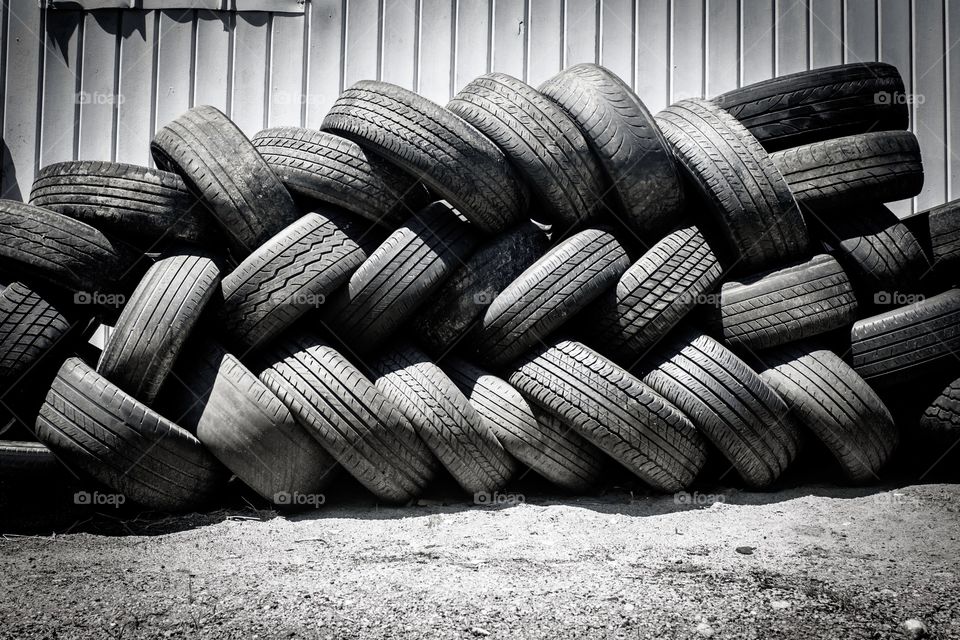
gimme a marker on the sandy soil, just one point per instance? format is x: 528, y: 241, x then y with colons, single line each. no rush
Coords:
x: 807, y: 562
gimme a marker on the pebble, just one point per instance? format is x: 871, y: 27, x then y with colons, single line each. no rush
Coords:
x: 479, y: 631
x: 780, y: 604
x: 914, y: 628
x: 705, y: 630
x: 747, y: 551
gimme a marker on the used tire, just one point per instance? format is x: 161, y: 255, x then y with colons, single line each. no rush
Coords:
x: 540, y: 140
x: 615, y: 411
x: 820, y: 104
x: 248, y: 429
x: 460, y: 302
x: 908, y: 343
x: 938, y: 231
x: 20, y: 459
x: 836, y: 405
x: 135, y: 451
x: 737, y: 179
x: 787, y: 305
x: 433, y: 144
x: 326, y: 167
x: 653, y: 295
x: 881, y: 166
x: 155, y: 323
x: 350, y: 417
x: 535, y: 438
x: 218, y: 163
x: 941, y: 420
x: 443, y: 417
x: 550, y: 291
x: 399, y: 276
x: 140, y: 205
x: 295, y: 271
x: 43, y: 244
x: 626, y: 140
x: 29, y: 328
x: 729, y: 403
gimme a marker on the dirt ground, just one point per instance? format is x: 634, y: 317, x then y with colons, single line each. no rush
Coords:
x: 805, y: 562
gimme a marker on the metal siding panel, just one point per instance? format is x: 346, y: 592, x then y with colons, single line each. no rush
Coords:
x: 826, y: 33
x: 174, y: 65
x: 58, y: 126
x: 473, y: 36
x: 580, y: 31
x: 793, y: 41
x: 212, y: 77
x: 758, y: 42
x: 896, y: 48
x: 250, y: 71
x: 21, y: 93
x: 363, y: 37
x: 616, y: 37
x: 860, y: 38
x: 545, y: 41
x: 286, y: 71
x: 723, y: 37
x: 399, y: 42
x: 652, y: 81
x: 136, y: 118
x: 435, y: 57
x: 929, y: 108
x: 953, y: 98
x: 98, y: 91
x: 687, y: 44
x: 325, y: 76
x: 509, y: 36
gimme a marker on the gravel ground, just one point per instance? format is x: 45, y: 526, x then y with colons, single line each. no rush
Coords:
x: 806, y: 562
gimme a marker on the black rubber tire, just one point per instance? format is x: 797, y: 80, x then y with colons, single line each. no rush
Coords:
x: 460, y: 302
x: 738, y: 181
x: 326, y: 167
x: 535, y: 438
x: 444, y: 419
x: 140, y: 205
x: 628, y: 143
x: 787, y: 305
x: 248, y: 429
x: 89, y: 422
x: 880, y: 253
x: 938, y: 231
x: 434, y: 145
x: 350, y: 417
x: 833, y: 175
x: 40, y: 244
x: 156, y: 322
x: 652, y: 296
x: 828, y: 397
x: 941, y: 420
x: 541, y: 140
x: 615, y: 411
x: 729, y: 404
x: 29, y: 328
x: 19, y: 459
x: 295, y: 271
x: 551, y: 290
x: 909, y: 343
x: 820, y: 104
x: 399, y: 276
x: 220, y: 165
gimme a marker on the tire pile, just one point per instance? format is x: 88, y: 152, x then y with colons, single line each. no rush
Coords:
x: 547, y: 278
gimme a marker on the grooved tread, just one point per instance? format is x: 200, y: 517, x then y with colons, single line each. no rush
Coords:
x: 29, y: 327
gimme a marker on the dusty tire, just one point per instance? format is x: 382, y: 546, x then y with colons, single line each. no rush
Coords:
x: 787, y: 305
x: 246, y: 427
x: 326, y: 167
x: 838, y: 406
x: 346, y: 413
x: 29, y: 328
x: 140, y: 205
x: 550, y: 291
x: 399, y: 276
x: 541, y: 140
x: 879, y: 252
x: 433, y: 144
x: 735, y: 176
x: 627, y: 142
x: 908, y: 343
x: 938, y: 231
x: 652, y: 296
x: 460, y: 302
x: 729, y: 403
x: 882, y: 166
x: 19, y: 459
x: 820, y: 104
x: 156, y: 322
x: 615, y: 411
x: 48, y: 246
x: 444, y: 419
x: 535, y: 438
x: 89, y: 422
x: 941, y: 420
x: 218, y: 163
x: 295, y: 271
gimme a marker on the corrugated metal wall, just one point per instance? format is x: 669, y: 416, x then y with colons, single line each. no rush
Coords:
x: 95, y: 85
